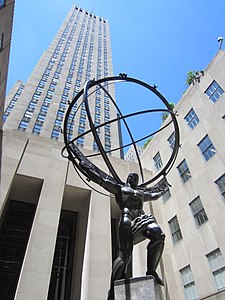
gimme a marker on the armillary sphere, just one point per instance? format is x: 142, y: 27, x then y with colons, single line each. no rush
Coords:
x: 75, y: 153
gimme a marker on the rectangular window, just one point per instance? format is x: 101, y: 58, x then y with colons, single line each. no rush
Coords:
x: 80, y: 141
x: 23, y: 125
x: 214, y: 91
x: 1, y: 42
x: 158, y: 161
x: 55, y: 134
x: 36, y: 96
x: 217, y: 266
x: 36, y: 129
x: 207, y: 148
x: 171, y: 140
x: 175, y: 230
x: 188, y: 283
x: 192, y: 119
x: 14, y: 236
x: 166, y: 195
x: 2, y: 3
x: 184, y: 171
x: 221, y: 184
x: 198, y: 211
x: 63, y: 262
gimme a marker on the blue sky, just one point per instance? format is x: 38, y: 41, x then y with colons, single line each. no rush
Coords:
x: 155, y: 41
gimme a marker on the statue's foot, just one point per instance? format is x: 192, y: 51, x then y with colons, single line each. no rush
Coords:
x: 156, y: 277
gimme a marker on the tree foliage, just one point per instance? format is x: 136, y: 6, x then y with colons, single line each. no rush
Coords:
x: 165, y: 114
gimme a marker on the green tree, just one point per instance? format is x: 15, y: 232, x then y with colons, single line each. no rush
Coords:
x: 147, y: 142
x: 165, y: 114
x: 191, y: 75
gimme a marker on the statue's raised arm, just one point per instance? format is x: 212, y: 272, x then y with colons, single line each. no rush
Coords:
x: 93, y: 173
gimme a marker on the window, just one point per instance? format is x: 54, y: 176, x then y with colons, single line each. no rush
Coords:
x: 62, y: 267
x: 80, y: 141
x: 175, y: 230
x: 198, y: 211
x: 207, y: 148
x: 166, y: 195
x: 171, y: 140
x: 221, y: 184
x: 188, y: 283
x: 157, y: 161
x: 184, y: 171
x: 2, y: 3
x: 1, y: 42
x: 217, y: 266
x: 192, y: 119
x: 37, y: 129
x: 14, y: 235
x: 214, y: 91
x: 23, y: 125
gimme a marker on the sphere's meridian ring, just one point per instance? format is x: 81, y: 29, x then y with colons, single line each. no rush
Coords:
x: 174, y: 153
x: 128, y: 130
x: 96, y: 137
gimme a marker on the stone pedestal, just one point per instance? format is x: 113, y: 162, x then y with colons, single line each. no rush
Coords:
x: 143, y: 288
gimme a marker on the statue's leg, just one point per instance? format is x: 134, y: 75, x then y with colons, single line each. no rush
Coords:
x: 119, y: 268
x: 155, y: 249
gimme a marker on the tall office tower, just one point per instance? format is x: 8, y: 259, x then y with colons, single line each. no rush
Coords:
x: 55, y: 231
x: 79, y: 52
x: 192, y: 210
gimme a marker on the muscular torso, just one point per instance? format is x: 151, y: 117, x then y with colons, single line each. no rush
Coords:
x: 131, y: 199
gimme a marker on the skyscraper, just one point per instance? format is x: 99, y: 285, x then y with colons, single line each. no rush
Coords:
x: 80, y: 51
x: 55, y: 233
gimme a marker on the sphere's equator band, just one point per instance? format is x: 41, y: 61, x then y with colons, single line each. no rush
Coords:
x: 119, y: 118
x: 136, y: 141
x: 74, y: 154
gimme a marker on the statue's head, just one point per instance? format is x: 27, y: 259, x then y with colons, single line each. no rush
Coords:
x: 132, y: 179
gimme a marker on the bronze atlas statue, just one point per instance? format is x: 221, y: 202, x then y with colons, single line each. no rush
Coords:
x: 134, y: 225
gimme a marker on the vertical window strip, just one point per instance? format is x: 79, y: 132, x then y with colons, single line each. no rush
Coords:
x: 188, y: 283
x: 217, y: 266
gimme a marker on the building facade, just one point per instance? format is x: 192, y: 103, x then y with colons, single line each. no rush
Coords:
x: 192, y: 211
x: 130, y: 155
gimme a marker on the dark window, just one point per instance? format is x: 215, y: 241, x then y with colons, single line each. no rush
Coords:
x: 192, y: 119
x: 158, y: 161
x: 171, y: 140
x: 175, y: 230
x: 214, y: 91
x: 184, y: 171
x: 198, y: 211
x: 14, y: 235
x: 207, y: 148
x: 2, y: 3
x: 166, y: 194
x: 221, y: 184
x: 62, y: 269
x: 1, y: 42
